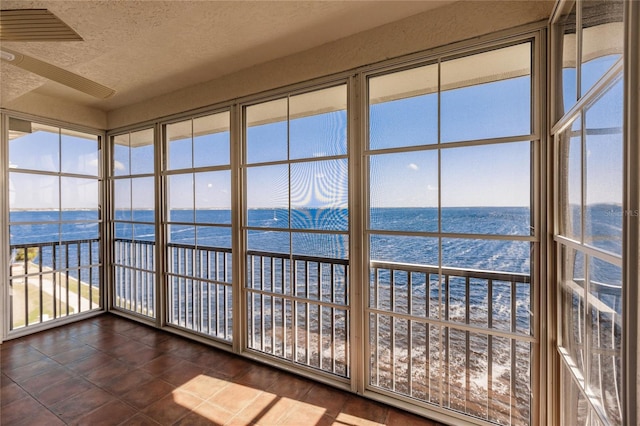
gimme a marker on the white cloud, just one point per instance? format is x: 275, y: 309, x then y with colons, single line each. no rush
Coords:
x: 118, y: 165
x: 432, y: 188
x: 413, y: 166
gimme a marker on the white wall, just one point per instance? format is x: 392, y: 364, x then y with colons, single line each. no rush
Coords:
x: 456, y: 22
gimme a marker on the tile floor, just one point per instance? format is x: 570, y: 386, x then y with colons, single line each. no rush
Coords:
x: 112, y: 371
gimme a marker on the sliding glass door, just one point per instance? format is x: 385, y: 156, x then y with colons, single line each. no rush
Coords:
x: 133, y: 225
x: 55, y: 221
x: 197, y: 174
x: 452, y: 233
x: 296, y: 229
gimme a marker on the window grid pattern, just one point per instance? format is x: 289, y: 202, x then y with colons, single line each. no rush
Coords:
x: 444, y: 329
x: 55, y: 264
x: 133, y: 225
x: 198, y: 227
x: 296, y: 228
x: 589, y: 233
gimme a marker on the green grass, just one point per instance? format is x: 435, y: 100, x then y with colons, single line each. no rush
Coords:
x: 34, y: 305
x: 34, y: 310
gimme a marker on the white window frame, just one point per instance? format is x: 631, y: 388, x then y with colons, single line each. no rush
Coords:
x: 630, y: 259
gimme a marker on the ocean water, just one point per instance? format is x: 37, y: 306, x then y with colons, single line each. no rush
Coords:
x: 603, y: 229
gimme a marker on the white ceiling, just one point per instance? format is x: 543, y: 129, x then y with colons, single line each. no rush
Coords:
x: 145, y: 48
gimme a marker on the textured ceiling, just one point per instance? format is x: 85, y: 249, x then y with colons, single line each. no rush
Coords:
x: 143, y: 49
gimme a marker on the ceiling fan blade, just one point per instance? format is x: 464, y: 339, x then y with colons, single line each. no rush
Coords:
x: 56, y: 74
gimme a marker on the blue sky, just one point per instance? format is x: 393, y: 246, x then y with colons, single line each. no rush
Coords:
x: 489, y: 175
x: 47, y: 151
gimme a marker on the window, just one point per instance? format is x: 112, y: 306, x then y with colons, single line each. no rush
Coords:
x: 589, y: 46
x: 591, y: 247
x: 451, y: 234
x: 297, y: 229
x: 54, y: 222
x: 134, y: 259
x: 198, y: 225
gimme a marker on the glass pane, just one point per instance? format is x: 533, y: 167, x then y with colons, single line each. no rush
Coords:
x: 142, y: 152
x: 402, y: 186
x: 179, y: 145
x: 78, y: 231
x: 573, y: 305
x: 319, y: 195
x: 604, y: 151
x: 79, y: 197
x: 122, y: 199
x: 333, y: 246
x: 268, y: 196
x: 569, y: 59
x: 79, y: 153
x: 318, y: 126
x: 602, y: 39
x: 487, y: 95
x: 34, y: 215
x: 142, y: 195
x: 487, y: 220
x: 491, y: 185
x: 81, y: 215
x: 121, y: 154
x: 605, y: 337
x: 144, y: 232
x: 213, y: 197
x: 124, y: 231
x: 270, y: 241
x: 404, y: 249
x: 575, y: 409
x: 180, y: 198
x: 144, y: 215
x: 267, y: 129
x: 23, y: 234
x: 213, y: 236
x: 34, y: 192
x: 182, y: 234
x: 571, y: 181
x: 605, y: 285
x: 403, y: 108
x: 211, y: 140
x: 34, y: 147
x: 488, y: 255
x: 181, y: 215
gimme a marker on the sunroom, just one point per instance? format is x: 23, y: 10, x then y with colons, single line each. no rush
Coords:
x: 431, y: 206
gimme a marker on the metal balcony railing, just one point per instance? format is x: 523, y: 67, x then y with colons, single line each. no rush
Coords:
x: 51, y: 280
x: 134, y: 276
x: 298, y: 309
x: 198, y: 284
x: 457, y: 338
x: 200, y: 289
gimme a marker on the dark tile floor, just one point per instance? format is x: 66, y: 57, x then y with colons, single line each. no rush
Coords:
x: 109, y: 371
